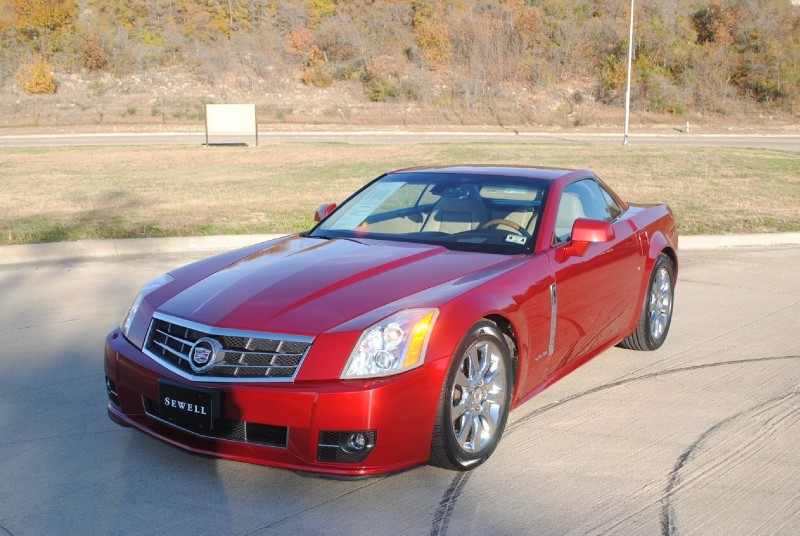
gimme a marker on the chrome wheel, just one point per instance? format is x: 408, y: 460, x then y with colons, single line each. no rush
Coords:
x: 656, y: 312
x: 475, y: 399
x: 660, y: 303
x: 478, y: 396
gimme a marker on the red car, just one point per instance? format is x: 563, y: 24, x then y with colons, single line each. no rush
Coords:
x: 402, y: 328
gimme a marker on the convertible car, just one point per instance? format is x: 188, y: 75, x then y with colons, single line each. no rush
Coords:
x: 402, y: 328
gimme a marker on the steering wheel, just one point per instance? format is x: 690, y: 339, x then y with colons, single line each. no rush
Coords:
x: 508, y: 223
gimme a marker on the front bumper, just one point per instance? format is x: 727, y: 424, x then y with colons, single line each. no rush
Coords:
x: 287, y: 425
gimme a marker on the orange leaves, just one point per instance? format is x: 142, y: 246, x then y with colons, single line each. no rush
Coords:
x: 433, y: 37
x: 34, y: 17
x: 300, y: 42
x: 37, y: 77
x: 94, y: 57
x: 528, y: 21
x: 318, y: 10
x: 432, y: 31
x: 717, y: 23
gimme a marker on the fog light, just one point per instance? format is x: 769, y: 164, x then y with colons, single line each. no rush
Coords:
x: 357, y: 442
x: 345, y: 447
x: 111, y: 389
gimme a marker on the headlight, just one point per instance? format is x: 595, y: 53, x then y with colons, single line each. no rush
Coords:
x: 393, y: 345
x: 156, y: 283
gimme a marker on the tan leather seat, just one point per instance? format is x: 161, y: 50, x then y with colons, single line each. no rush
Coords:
x: 570, y: 209
x: 457, y: 214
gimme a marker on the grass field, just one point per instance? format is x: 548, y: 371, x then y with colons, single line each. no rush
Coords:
x: 49, y: 195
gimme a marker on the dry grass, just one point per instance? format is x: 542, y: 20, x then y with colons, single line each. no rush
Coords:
x: 67, y: 194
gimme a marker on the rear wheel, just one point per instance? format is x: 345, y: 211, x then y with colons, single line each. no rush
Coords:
x: 656, y: 315
x: 475, y: 400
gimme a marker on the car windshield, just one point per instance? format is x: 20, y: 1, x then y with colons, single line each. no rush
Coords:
x: 488, y: 213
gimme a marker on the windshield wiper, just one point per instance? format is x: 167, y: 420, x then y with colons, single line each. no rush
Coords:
x: 326, y: 237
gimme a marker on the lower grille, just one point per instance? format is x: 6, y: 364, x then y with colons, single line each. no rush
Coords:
x: 230, y: 429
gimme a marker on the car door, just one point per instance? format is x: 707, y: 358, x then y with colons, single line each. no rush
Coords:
x: 592, y: 291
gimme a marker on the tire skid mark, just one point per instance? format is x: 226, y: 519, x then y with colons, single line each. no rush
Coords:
x: 676, y: 483
x: 718, y: 336
x: 544, y: 409
x: 447, y: 503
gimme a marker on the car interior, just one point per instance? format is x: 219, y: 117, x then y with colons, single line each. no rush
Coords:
x: 462, y: 209
x: 570, y: 209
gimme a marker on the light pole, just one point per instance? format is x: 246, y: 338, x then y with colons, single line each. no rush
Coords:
x: 628, y: 88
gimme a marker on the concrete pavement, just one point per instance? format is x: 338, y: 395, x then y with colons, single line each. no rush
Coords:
x: 698, y: 437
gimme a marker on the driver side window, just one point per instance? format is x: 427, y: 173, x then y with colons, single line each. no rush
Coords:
x: 581, y: 199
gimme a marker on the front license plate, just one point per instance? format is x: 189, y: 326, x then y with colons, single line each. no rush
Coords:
x: 188, y: 407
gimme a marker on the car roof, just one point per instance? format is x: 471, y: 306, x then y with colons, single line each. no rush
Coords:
x: 530, y: 172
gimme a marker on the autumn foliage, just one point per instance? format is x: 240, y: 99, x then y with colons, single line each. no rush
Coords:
x: 707, y: 55
x: 37, y: 77
x: 35, y: 18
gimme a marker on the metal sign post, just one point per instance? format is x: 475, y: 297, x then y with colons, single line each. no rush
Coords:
x: 628, y: 88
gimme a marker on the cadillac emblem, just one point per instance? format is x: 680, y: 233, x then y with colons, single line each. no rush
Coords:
x: 204, y: 354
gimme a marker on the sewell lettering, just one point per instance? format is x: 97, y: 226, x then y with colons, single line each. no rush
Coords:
x: 184, y: 406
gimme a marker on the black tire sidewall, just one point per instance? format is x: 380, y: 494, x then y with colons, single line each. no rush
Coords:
x: 459, y: 457
x: 663, y: 260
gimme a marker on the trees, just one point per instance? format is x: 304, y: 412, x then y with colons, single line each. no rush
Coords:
x: 36, y: 20
x: 688, y: 53
x: 756, y: 45
x: 41, y: 24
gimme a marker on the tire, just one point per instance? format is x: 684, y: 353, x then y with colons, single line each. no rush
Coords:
x: 475, y: 400
x: 656, y: 315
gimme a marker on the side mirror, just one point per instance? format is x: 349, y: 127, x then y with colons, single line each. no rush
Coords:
x: 585, y: 232
x: 590, y: 231
x: 324, y: 211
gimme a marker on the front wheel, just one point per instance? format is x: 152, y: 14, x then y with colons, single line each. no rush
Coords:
x: 475, y: 400
x: 656, y: 315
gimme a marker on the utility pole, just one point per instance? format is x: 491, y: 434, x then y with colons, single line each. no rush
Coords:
x: 628, y: 88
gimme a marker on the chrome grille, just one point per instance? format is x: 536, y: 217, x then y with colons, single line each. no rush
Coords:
x: 248, y: 356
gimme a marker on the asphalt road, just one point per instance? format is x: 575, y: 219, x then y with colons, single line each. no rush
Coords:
x: 784, y: 142
x: 698, y: 437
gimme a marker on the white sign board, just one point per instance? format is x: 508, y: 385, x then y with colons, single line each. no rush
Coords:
x: 228, y: 124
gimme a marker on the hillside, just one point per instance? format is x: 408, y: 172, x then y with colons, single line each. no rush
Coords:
x: 410, y: 61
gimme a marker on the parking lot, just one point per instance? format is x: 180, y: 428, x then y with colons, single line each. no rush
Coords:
x: 700, y: 436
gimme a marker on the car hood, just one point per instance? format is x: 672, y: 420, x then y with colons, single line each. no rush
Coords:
x: 307, y: 286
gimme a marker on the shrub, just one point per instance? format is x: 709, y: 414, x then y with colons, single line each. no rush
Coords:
x: 381, y: 90
x: 37, y: 77
x: 318, y: 76
x: 37, y: 17
x: 94, y: 57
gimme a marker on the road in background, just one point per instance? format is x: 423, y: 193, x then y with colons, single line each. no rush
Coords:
x: 783, y: 142
x: 700, y: 436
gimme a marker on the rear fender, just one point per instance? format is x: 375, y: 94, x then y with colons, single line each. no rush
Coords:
x: 653, y: 245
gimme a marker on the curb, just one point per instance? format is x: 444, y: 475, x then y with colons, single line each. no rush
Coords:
x: 94, y: 249
x: 688, y: 243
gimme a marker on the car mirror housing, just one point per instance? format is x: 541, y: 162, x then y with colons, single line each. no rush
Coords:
x: 586, y: 231
x: 591, y: 231
x: 324, y: 211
